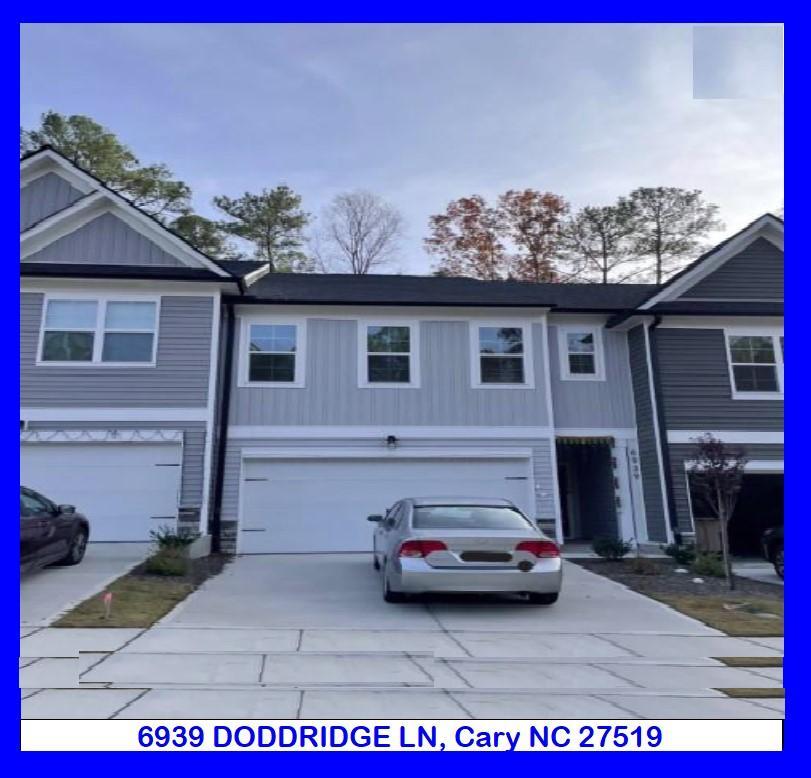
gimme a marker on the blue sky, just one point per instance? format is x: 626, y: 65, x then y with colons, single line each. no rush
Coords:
x: 423, y: 114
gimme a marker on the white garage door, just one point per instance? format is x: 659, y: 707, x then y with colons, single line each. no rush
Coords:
x: 124, y: 489
x: 321, y: 505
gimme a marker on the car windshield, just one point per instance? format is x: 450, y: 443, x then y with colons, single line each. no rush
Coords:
x: 467, y: 517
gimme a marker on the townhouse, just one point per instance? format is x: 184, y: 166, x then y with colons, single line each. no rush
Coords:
x: 275, y: 411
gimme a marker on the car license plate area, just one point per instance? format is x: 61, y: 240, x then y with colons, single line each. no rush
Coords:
x: 485, y: 556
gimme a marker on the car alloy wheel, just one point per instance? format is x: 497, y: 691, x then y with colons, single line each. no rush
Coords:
x: 78, y: 546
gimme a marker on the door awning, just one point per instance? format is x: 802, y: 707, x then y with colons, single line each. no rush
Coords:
x: 589, y: 441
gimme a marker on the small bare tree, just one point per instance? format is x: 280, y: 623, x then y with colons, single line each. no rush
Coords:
x: 359, y: 233
x: 717, y: 472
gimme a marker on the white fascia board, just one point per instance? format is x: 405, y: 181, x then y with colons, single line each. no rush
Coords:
x: 254, y: 276
x: 62, y: 223
x: 88, y: 287
x: 117, y: 415
x: 728, y: 436
x: 48, y: 162
x: 766, y: 226
x: 381, y: 433
x: 624, y: 433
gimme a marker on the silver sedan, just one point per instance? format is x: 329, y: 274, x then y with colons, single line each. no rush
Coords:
x: 464, y: 545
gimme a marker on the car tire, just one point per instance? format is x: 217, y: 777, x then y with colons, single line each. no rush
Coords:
x: 777, y: 561
x: 76, y: 549
x: 388, y: 594
x: 538, y: 598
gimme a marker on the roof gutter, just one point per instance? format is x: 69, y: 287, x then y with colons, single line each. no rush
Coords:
x: 664, y: 448
x: 215, y: 525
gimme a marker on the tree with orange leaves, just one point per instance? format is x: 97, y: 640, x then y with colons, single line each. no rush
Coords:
x: 516, y: 239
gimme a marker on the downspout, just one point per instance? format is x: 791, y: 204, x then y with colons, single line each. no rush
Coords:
x: 222, y: 428
x: 663, y: 444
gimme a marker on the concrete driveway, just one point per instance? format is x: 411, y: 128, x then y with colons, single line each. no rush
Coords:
x: 47, y: 593
x: 310, y: 636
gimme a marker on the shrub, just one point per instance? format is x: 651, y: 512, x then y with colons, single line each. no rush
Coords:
x: 168, y: 537
x: 643, y: 566
x: 681, y: 554
x: 167, y: 562
x: 610, y: 548
x: 708, y: 564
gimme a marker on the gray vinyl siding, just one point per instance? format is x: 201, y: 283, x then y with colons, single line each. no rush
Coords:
x: 649, y: 453
x: 43, y: 196
x: 541, y: 463
x: 194, y: 436
x: 685, y: 452
x: 696, y: 388
x: 756, y: 273
x: 445, y: 397
x: 106, y: 240
x: 179, y: 380
x: 606, y: 403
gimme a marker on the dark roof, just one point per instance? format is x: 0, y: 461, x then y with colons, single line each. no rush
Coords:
x: 720, y: 307
x: 345, y: 289
x: 157, y: 272
x: 240, y: 267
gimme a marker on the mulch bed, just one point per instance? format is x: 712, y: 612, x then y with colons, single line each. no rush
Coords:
x: 665, y: 581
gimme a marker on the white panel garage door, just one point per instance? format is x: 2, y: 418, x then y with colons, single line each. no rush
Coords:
x: 124, y: 489
x: 320, y: 505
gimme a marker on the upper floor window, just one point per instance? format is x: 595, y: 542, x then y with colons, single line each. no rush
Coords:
x: 388, y: 354
x: 99, y: 331
x: 274, y: 353
x: 581, y: 353
x: 501, y: 355
x: 756, y: 364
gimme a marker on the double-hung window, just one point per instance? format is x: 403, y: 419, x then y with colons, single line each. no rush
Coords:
x: 99, y: 331
x: 581, y: 353
x: 274, y: 353
x: 755, y: 364
x: 501, y: 355
x: 388, y: 354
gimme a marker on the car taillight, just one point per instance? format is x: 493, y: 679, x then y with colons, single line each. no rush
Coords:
x: 540, y: 548
x: 420, y: 548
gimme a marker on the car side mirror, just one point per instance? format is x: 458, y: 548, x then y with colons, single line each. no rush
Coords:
x: 67, y: 510
x: 374, y: 517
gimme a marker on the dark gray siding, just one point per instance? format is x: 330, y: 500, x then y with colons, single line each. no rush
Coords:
x: 106, y: 240
x: 594, y: 403
x: 194, y: 435
x: 332, y: 397
x: 43, y: 196
x: 756, y: 273
x: 180, y: 379
x: 646, y: 434
x: 684, y: 452
x: 696, y: 389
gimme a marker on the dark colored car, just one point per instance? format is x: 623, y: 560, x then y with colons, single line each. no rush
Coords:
x: 50, y: 533
x: 773, y: 548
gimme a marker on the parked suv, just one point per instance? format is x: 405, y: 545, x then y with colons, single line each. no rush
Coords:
x: 773, y: 548
x: 50, y: 533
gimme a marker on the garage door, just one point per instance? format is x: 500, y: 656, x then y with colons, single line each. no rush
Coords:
x: 321, y: 505
x: 124, y: 489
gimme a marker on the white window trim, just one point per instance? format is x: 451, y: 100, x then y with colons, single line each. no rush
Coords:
x: 413, y: 354
x: 475, y: 354
x: 301, y: 352
x: 101, y: 301
x: 563, y: 352
x: 775, y: 333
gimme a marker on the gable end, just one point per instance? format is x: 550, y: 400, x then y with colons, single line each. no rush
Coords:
x: 45, y: 196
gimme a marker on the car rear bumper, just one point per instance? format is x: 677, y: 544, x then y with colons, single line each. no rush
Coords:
x: 416, y: 575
